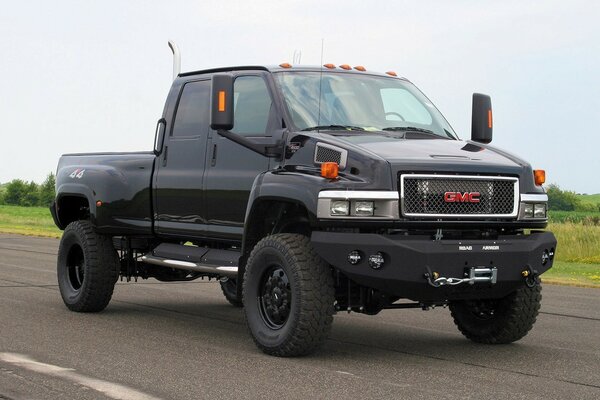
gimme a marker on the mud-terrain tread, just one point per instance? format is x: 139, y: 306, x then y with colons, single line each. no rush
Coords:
x: 101, y: 270
x: 231, y: 298
x: 515, y: 317
x: 316, y: 306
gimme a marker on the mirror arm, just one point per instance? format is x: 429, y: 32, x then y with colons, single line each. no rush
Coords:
x: 267, y: 150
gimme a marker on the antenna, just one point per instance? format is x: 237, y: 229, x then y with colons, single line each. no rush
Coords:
x: 176, y: 59
x: 296, y: 59
x: 320, y: 83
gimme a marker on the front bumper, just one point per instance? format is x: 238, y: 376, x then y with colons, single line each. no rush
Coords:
x: 409, y: 259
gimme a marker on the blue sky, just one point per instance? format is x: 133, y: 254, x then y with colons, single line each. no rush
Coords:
x: 93, y: 76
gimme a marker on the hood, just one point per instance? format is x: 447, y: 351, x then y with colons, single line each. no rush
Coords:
x: 437, y: 154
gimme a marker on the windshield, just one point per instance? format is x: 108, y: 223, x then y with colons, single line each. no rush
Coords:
x: 359, y: 102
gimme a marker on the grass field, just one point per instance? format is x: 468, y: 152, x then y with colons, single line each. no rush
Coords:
x: 577, y: 255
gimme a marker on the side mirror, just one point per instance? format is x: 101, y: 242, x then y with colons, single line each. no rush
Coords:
x: 221, y: 102
x: 481, y: 126
x: 159, y: 136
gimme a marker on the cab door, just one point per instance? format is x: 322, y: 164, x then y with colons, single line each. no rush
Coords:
x: 180, y: 205
x: 231, y: 168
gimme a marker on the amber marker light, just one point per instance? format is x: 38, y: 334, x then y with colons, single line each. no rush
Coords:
x: 489, y: 118
x: 391, y: 73
x: 285, y: 65
x: 345, y: 66
x: 539, y: 176
x: 99, y: 203
x: 221, y: 100
x: 330, y: 66
x: 360, y: 68
x: 330, y: 170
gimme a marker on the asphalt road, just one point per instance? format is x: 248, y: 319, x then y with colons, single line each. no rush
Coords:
x: 184, y: 341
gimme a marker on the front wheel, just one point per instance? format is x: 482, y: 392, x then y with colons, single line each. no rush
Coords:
x: 87, y: 268
x: 288, y: 296
x: 498, y: 321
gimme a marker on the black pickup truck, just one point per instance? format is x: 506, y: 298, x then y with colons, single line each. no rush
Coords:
x: 306, y: 191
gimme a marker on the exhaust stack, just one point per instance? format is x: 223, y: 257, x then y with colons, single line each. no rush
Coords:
x: 176, y: 59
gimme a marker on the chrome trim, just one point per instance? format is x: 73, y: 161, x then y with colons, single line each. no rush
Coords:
x: 534, y: 198
x: 513, y: 214
x: 221, y: 270
x: 359, y: 194
x: 343, y: 154
x: 386, y: 204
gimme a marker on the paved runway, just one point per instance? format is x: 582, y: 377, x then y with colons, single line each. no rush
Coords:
x: 184, y: 341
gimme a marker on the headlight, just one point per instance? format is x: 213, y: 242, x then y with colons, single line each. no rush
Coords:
x: 340, y: 207
x: 528, y: 210
x: 539, y: 210
x: 363, y: 208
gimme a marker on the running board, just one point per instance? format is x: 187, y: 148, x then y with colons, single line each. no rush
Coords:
x: 192, y: 258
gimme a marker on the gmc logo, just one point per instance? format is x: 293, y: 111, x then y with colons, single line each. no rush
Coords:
x: 458, y: 197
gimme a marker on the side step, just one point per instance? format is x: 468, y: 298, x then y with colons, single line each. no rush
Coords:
x: 191, y: 258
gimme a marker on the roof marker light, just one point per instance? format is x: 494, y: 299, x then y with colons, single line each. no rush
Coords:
x: 392, y: 73
x: 345, y: 66
x: 285, y: 65
x: 330, y: 66
x: 360, y: 68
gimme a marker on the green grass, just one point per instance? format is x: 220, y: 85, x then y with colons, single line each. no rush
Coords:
x: 33, y: 221
x: 574, y: 274
x: 576, y: 217
x: 590, y: 198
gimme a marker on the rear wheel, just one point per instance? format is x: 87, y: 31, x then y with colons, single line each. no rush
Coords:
x: 498, y: 321
x: 288, y: 296
x: 87, y: 268
x: 229, y: 288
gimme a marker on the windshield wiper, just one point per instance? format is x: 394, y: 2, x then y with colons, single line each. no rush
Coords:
x: 406, y: 129
x: 334, y: 128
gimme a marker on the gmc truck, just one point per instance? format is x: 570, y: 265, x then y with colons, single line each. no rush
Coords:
x: 306, y: 191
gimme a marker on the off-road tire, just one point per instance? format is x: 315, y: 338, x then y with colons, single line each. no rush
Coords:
x: 310, y: 290
x: 229, y: 289
x: 87, y: 268
x: 498, y: 321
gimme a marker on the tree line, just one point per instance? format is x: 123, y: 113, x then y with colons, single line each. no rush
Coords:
x: 567, y: 200
x: 28, y: 194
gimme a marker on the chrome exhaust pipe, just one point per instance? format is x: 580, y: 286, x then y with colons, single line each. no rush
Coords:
x: 176, y: 59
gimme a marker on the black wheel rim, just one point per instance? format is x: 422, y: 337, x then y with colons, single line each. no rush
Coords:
x: 483, y: 309
x: 274, y: 297
x: 75, y: 269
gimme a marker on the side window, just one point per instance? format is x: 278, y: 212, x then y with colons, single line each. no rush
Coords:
x: 401, y: 105
x: 192, y: 117
x: 252, y: 105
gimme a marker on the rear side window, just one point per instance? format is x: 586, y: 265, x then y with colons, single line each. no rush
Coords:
x: 252, y: 105
x: 192, y: 117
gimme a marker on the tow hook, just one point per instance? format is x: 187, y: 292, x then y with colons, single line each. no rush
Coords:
x: 472, y: 275
x: 532, y: 277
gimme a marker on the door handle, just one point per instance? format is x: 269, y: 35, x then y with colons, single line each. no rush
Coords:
x: 213, y: 160
x: 164, y: 162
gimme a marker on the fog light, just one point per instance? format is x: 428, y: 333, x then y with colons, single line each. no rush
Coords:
x: 376, y: 261
x: 539, y: 210
x: 340, y: 207
x: 528, y: 210
x: 545, y: 257
x: 354, y: 257
x: 363, y: 208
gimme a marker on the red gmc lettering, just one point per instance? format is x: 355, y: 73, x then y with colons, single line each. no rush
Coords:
x: 458, y: 197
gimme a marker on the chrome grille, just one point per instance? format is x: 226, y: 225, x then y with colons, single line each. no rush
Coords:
x: 433, y: 195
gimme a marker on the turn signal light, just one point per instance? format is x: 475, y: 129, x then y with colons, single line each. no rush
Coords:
x: 330, y: 170
x: 539, y: 176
